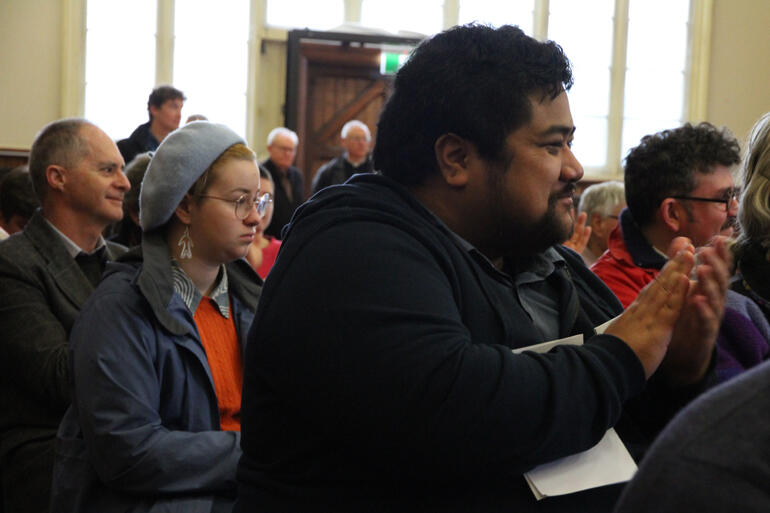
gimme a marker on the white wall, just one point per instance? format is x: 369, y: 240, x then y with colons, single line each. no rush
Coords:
x: 739, y: 73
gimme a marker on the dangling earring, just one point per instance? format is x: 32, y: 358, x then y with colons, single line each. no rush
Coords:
x: 186, y: 242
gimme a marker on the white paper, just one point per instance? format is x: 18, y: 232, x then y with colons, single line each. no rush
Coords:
x: 600, y: 329
x: 608, y: 462
x: 574, y: 340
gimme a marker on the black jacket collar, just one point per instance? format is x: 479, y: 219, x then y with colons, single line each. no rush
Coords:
x: 641, y: 251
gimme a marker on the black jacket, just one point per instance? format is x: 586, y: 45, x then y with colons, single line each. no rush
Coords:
x: 283, y: 208
x: 140, y: 141
x: 379, y: 374
x: 338, y: 170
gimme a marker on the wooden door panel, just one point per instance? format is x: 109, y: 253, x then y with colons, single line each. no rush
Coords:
x: 341, y: 83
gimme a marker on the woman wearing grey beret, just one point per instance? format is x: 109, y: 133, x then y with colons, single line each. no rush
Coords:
x: 156, y: 354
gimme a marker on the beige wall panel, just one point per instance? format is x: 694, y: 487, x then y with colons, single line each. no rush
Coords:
x: 271, y: 92
x: 30, y: 74
x: 739, y: 74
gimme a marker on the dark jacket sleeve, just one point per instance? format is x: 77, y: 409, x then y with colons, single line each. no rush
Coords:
x: 392, y: 373
x: 118, y: 388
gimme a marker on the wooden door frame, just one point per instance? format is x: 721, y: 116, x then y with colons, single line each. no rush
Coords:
x: 295, y: 116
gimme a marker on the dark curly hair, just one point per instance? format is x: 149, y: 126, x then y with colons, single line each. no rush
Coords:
x: 664, y: 165
x: 473, y: 81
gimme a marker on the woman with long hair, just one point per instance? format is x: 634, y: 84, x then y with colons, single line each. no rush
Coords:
x: 752, y: 249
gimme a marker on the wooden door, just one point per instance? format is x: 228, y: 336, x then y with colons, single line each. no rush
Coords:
x: 343, y: 83
x: 331, y: 79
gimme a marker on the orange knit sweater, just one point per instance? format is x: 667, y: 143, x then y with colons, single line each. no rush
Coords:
x: 220, y: 340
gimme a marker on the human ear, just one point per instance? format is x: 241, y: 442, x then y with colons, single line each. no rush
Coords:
x: 671, y: 212
x: 184, y: 209
x: 452, y: 156
x: 56, y: 176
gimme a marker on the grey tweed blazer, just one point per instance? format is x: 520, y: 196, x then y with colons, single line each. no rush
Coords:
x: 41, y: 292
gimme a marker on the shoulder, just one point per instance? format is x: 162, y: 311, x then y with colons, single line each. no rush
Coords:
x: 119, y: 279
x: 21, y: 253
x: 116, y: 250
x: 244, y: 282
x: 17, y: 247
x: 622, y: 275
x: 324, y: 167
x: 116, y: 300
x: 710, y: 447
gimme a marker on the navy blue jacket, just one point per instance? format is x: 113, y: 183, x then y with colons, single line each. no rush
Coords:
x: 140, y: 141
x: 142, y: 433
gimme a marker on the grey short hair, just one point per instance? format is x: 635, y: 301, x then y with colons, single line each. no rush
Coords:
x: 60, y: 143
x: 602, y: 198
x: 282, y: 130
x: 754, y: 209
x: 355, y: 123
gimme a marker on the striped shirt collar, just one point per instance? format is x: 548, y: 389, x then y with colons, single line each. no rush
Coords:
x: 192, y: 297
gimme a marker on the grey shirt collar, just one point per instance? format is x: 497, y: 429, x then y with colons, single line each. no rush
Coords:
x: 72, y: 248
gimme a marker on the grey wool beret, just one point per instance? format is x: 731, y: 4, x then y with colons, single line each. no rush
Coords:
x: 179, y: 161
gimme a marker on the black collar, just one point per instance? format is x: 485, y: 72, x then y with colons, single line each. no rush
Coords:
x: 641, y: 251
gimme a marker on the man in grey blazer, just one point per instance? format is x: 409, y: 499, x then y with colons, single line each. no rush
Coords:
x: 47, y: 272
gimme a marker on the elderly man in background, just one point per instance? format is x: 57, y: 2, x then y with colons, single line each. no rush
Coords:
x: 289, y: 184
x: 602, y: 203
x: 356, y: 139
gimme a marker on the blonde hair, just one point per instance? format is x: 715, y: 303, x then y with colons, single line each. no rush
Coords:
x: 754, y: 209
x: 237, y: 151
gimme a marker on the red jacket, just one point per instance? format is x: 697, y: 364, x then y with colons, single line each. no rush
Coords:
x: 630, y: 263
x: 617, y: 269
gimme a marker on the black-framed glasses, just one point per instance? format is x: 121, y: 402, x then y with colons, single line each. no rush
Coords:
x: 244, y: 203
x: 727, y: 199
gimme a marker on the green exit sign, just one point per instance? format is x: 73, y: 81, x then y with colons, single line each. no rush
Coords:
x: 391, y: 62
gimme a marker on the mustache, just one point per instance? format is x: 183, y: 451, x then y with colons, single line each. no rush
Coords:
x: 730, y: 222
x: 568, y: 191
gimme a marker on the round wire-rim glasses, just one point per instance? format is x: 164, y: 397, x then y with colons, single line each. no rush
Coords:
x: 244, y: 203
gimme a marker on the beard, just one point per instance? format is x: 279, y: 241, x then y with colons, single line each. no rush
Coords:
x: 526, y: 240
x: 554, y: 227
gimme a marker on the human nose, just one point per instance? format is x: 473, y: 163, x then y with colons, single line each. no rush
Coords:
x: 123, y: 182
x: 253, y: 218
x: 732, y: 206
x: 571, y: 170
